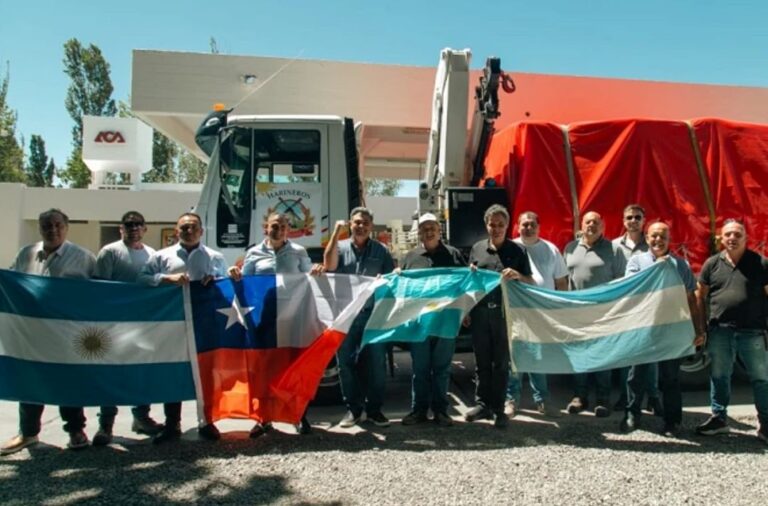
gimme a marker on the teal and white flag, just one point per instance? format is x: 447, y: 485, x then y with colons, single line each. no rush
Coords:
x: 420, y: 303
x: 639, y: 319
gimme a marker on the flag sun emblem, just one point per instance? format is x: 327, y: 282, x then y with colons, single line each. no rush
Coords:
x: 92, y: 343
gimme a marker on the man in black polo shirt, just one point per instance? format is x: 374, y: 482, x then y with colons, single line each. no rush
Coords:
x: 431, y: 358
x: 733, y: 284
x: 489, y: 331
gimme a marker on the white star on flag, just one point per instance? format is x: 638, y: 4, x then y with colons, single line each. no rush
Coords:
x: 235, y: 313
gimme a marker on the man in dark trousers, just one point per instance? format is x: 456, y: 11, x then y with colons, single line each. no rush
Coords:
x: 489, y: 330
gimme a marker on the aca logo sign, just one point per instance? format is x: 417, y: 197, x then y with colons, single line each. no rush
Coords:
x: 110, y: 137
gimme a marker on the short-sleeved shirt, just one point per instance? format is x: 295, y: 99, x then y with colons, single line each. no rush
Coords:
x: 370, y: 260
x: 736, y: 294
x: 68, y: 261
x: 442, y: 256
x: 630, y: 251
x: 645, y: 260
x: 198, y: 263
x: 509, y: 255
x: 291, y: 258
x: 594, y: 265
x: 547, y: 263
x: 118, y: 262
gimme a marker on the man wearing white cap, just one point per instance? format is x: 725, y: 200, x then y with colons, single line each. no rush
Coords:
x: 431, y: 358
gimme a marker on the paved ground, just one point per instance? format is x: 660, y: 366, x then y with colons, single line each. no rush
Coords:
x: 573, y: 459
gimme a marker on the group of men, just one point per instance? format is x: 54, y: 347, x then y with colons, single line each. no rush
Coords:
x: 731, y: 290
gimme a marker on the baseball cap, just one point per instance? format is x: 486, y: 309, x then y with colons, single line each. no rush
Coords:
x: 427, y: 217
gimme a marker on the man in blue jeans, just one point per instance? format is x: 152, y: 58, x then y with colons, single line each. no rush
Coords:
x: 362, y: 256
x: 549, y: 271
x: 733, y: 286
x: 432, y: 357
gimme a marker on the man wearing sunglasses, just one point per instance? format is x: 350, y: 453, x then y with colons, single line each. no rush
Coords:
x: 632, y: 242
x: 188, y: 260
x: 122, y: 261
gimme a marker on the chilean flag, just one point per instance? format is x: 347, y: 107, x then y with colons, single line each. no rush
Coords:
x: 248, y: 333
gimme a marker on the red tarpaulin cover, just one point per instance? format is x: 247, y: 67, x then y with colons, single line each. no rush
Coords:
x: 648, y: 162
x: 736, y: 159
x: 529, y: 161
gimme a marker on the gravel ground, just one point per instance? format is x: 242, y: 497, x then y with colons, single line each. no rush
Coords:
x: 572, y: 460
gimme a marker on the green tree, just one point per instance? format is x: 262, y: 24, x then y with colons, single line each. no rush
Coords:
x: 90, y: 92
x: 191, y: 169
x: 39, y: 169
x: 164, y: 152
x: 382, y: 187
x: 11, y: 151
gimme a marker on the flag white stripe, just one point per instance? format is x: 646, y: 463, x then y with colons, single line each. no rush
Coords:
x: 75, y: 342
x: 393, y: 312
x: 586, y: 323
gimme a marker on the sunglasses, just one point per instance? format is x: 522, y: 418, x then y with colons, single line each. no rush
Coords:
x: 133, y: 224
x: 635, y: 217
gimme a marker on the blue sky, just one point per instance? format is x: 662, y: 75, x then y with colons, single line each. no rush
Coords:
x: 687, y: 41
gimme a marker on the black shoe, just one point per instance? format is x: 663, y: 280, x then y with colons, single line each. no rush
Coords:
x: 304, y: 427
x: 762, y: 434
x: 77, y: 440
x: 350, y: 420
x: 103, y: 436
x: 146, y: 426
x: 209, y: 432
x: 259, y: 429
x: 655, y: 407
x: 601, y: 409
x: 628, y: 423
x: 671, y: 429
x: 715, y: 425
x: 577, y: 405
x: 501, y: 421
x: 479, y: 412
x: 443, y: 420
x: 168, y: 434
x: 415, y: 418
x: 378, y: 419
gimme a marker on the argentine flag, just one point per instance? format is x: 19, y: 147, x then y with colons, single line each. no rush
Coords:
x: 416, y: 304
x: 639, y: 319
x: 71, y: 342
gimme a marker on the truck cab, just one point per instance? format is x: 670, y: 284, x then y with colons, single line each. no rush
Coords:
x: 305, y: 167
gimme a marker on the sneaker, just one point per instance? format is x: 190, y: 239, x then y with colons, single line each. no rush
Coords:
x: 601, y: 409
x: 655, y: 407
x: 168, y: 434
x: 501, y: 421
x: 415, y: 418
x: 628, y: 423
x: 577, y: 405
x: 77, y: 440
x: 443, y: 420
x: 510, y: 408
x: 103, y: 436
x: 146, y: 426
x: 18, y: 443
x: 715, y: 425
x: 548, y: 410
x: 378, y: 419
x: 762, y: 434
x: 303, y: 427
x: 259, y: 429
x: 209, y: 432
x: 350, y: 420
x: 479, y: 412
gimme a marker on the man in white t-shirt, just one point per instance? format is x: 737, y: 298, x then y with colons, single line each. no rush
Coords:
x: 549, y: 271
